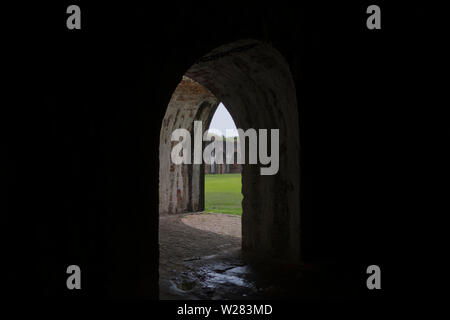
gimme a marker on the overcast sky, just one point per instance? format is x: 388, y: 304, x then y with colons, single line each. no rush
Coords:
x: 222, y: 121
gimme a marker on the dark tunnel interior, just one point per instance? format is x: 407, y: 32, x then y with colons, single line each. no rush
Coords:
x: 83, y: 133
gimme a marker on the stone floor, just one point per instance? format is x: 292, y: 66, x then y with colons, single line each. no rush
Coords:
x: 194, y: 260
x: 201, y: 258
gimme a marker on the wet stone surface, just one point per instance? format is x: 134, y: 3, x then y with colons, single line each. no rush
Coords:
x: 214, y: 278
x: 200, y: 264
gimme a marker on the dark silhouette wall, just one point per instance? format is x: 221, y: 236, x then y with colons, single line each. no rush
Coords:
x: 83, y: 123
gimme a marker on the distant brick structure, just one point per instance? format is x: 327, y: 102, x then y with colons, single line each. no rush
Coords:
x: 217, y: 168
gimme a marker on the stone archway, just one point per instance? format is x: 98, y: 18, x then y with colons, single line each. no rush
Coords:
x: 254, y: 81
x: 181, y: 186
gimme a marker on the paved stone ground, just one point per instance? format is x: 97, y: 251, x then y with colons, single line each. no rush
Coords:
x: 223, y: 224
x: 197, y: 263
x: 186, y: 245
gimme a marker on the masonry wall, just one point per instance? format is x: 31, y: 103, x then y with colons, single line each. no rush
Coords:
x: 181, y: 187
x: 255, y: 83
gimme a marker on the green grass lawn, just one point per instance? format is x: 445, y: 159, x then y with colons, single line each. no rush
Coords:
x: 223, y: 193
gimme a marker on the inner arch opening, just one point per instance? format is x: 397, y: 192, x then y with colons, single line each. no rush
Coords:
x: 223, y: 178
